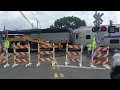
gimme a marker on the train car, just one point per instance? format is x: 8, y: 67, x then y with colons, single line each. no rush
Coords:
x: 84, y: 35
x: 50, y: 34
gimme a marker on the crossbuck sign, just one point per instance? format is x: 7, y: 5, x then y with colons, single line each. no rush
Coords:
x: 98, y: 19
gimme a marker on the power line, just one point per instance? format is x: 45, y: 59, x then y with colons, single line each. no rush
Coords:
x: 38, y: 23
x: 34, y: 16
x: 26, y: 19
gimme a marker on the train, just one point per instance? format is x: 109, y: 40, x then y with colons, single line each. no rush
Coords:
x: 84, y: 35
x: 80, y: 36
x: 54, y: 35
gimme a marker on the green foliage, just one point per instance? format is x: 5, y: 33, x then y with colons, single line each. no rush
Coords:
x: 68, y: 22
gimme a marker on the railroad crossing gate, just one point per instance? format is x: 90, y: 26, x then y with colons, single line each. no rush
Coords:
x: 98, y: 19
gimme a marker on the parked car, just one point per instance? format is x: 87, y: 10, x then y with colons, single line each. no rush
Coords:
x: 115, y: 69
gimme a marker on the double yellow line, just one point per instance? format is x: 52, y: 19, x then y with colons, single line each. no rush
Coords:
x: 56, y: 75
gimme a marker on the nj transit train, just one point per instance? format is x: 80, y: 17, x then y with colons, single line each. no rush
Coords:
x: 84, y: 35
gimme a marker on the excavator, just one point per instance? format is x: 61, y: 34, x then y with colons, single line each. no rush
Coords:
x: 25, y: 39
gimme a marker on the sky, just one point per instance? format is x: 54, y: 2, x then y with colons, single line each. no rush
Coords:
x: 14, y: 20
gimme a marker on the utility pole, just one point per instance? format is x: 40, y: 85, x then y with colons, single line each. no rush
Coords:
x: 97, y: 22
x: 6, y: 32
x: 32, y: 25
x: 37, y: 24
x: 4, y: 28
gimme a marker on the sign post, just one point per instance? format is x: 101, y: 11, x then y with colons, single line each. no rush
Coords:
x: 100, y: 34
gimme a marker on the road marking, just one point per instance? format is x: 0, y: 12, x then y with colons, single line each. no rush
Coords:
x: 55, y: 75
x: 53, y: 67
x: 61, y: 75
x: 78, y: 67
x: 58, y: 68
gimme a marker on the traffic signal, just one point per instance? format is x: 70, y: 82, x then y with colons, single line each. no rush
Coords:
x: 95, y: 29
x: 103, y: 28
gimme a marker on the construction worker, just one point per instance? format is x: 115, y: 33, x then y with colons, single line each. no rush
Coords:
x: 18, y: 44
x: 6, y: 44
x: 60, y: 45
x: 89, y: 48
x: 94, y: 43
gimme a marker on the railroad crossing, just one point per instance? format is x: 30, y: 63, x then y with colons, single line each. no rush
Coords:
x: 66, y: 64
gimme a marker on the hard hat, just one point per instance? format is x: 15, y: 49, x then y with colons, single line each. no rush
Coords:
x: 48, y: 41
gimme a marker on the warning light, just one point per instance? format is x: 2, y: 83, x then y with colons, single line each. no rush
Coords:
x: 95, y: 29
x: 103, y: 28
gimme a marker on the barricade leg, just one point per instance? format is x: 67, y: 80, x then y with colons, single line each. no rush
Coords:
x: 7, y: 64
x: 38, y: 64
x: 53, y: 62
x: 91, y: 64
x: 29, y: 64
x: 15, y: 64
x: 66, y: 62
x: 80, y: 64
x: 106, y: 65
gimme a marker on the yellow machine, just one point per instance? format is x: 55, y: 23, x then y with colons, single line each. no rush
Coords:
x: 24, y: 39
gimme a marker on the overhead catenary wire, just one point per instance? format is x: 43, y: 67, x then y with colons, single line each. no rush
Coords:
x: 26, y: 19
x: 38, y: 23
x: 34, y: 16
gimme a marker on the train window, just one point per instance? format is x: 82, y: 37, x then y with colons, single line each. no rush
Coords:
x: 88, y: 36
x: 116, y: 29
x: 77, y: 36
x: 114, y: 41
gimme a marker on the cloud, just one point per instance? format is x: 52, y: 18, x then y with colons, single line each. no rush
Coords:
x: 14, y: 20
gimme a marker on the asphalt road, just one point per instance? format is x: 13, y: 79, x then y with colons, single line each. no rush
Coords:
x: 45, y: 71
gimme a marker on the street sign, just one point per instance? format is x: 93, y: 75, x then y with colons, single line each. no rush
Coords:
x: 99, y: 31
x: 98, y: 19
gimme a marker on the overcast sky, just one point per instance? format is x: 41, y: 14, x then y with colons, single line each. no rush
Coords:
x: 14, y: 20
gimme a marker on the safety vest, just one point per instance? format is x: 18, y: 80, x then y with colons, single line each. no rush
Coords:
x: 6, y: 44
x: 89, y: 46
x: 94, y: 43
x: 18, y: 44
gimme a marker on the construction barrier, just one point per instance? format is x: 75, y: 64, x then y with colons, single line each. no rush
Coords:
x: 100, y: 55
x: 52, y: 59
x: 80, y: 47
x: 4, y: 55
x: 17, y: 60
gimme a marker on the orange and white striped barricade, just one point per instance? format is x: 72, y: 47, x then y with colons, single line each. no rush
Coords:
x: 4, y: 55
x: 52, y: 59
x: 80, y: 47
x: 17, y: 61
x: 100, y: 55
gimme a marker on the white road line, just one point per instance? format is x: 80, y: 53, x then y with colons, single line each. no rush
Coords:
x: 78, y: 67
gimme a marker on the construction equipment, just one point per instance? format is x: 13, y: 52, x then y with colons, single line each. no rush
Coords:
x: 24, y: 39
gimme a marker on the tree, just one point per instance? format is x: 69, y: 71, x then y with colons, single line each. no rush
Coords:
x: 68, y: 22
